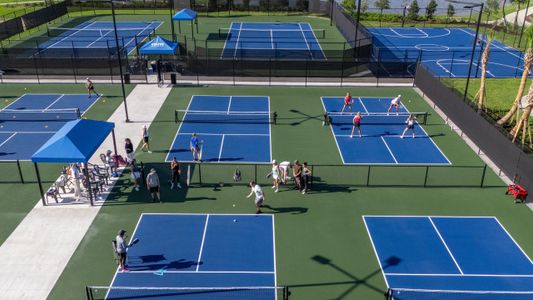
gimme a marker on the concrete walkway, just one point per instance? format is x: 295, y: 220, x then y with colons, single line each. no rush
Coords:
x: 510, y: 17
x: 37, y: 251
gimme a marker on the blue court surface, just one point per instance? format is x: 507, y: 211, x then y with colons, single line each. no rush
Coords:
x: 269, y: 40
x: 200, y: 255
x: 439, y: 254
x: 99, y: 35
x: 27, y: 123
x: 233, y: 129
x: 444, y: 51
x: 380, y: 141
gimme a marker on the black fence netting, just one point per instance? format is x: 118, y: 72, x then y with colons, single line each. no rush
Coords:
x: 44, y: 15
x: 492, y: 140
x: 346, y: 24
x: 10, y: 28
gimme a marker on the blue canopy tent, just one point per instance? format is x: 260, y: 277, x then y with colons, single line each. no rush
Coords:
x: 187, y: 15
x: 159, y: 46
x: 75, y: 142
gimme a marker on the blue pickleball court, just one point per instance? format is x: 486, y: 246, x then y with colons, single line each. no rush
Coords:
x: 445, y: 52
x: 446, y: 257
x: 232, y: 129
x: 272, y: 40
x: 98, y: 35
x: 380, y: 142
x: 186, y: 256
x: 28, y: 122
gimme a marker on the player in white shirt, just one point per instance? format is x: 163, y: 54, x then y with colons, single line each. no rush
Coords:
x: 395, y: 103
x: 259, y: 196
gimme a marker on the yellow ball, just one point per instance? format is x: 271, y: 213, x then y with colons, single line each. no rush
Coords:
x: 103, y: 100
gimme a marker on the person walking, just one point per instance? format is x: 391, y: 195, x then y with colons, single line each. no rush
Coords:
x: 356, y: 124
x: 89, y: 85
x: 154, y: 185
x: 130, y: 154
x: 135, y: 174
x: 76, y: 174
x: 176, y: 171
x: 146, y: 140
x: 297, y: 174
x: 275, y: 175
x: 306, y: 173
x: 121, y: 247
x: 410, y: 125
x: 259, y: 196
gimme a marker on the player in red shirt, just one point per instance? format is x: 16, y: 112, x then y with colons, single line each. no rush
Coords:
x: 356, y: 124
x: 347, y: 102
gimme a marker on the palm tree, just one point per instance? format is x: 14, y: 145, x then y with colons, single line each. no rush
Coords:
x: 523, y: 121
x: 528, y: 60
x: 481, y: 95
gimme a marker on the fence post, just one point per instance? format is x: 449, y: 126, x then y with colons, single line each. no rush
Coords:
x: 20, y: 172
x: 426, y: 176
x: 368, y: 176
x: 255, y: 172
x: 483, y: 176
x: 312, y: 172
x: 73, y: 69
x: 200, y: 172
x: 306, y: 69
x: 269, y: 71
x: 36, y: 69
x: 233, y: 67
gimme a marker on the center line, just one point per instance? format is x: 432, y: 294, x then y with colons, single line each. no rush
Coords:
x: 202, y: 245
x: 387, y: 145
x: 221, y: 147
x: 446, y: 246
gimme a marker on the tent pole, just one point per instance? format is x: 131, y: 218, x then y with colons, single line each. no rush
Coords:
x: 89, y: 189
x: 43, y: 199
x: 192, y: 29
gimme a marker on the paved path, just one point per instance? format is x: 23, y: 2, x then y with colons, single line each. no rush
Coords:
x: 510, y: 17
x: 35, y: 254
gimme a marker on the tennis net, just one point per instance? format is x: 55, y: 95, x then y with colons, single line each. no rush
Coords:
x: 40, y: 115
x: 187, y: 293
x: 421, y: 294
x: 244, y: 117
x: 79, y: 33
x: 277, y: 34
x: 338, y: 118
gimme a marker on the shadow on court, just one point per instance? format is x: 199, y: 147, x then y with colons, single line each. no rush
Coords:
x: 353, y: 282
x: 295, y: 210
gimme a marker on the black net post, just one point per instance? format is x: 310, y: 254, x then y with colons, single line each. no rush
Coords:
x: 20, y: 172
x: 426, y: 176
x: 200, y: 172
x: 483, y: 176
x: 73, y: 68
x: 368, y: 176
x: 88, y: 293
x: 306, y: 69
x: 286, y: 293
x: 255, y: 172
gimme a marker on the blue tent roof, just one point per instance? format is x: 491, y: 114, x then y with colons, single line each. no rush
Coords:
x: 185, y: 15
x: 76, y: 141
x: 159, y: 45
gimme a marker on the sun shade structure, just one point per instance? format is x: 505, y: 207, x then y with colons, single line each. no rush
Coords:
x: 159, y: 46
x: 75, y: 142
x: 187, y: 15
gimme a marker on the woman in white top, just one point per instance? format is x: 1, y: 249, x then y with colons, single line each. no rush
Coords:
x: 410, y: 125
x: 395, y: 103
x: 284, y: 171
x: 259, y: 196
x: 146, y: 140
x: 275, y: 175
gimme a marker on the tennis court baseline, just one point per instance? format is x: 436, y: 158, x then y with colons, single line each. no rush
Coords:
x: 231, y: 129
x: 200, y: 255
x: 28, y: 122
x: 452, y: 257
x: 380, y: 142
x: 272, y: 40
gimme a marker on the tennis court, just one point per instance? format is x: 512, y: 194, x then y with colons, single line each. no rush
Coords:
x: 272, y: 40
x: 97, y: 35
x: 191, y: 256
x: 444, y: 257
x: 28, y: 122
x: 230, y: 128
x: 380, y: 141
x: 445, y: 51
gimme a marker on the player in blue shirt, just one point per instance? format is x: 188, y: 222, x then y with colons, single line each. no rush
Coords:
x: 195, y: 147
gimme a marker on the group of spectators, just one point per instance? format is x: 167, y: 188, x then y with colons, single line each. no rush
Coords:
x: 301, y: 175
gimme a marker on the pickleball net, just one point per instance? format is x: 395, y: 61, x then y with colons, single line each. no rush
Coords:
x: 187, y: 293
x: 66, y: 114
x: 79, y: 33
x: 233, y: 117
x: 276, y: 34
x: 346, y: 118
x: 426, y: 294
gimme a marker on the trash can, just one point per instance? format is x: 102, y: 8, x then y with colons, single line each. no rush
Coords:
x: 127, y: 78
x: 173, y: 78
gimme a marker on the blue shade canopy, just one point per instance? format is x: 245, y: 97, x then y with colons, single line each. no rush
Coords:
x: 76, y: 141
x: 159, y: 45
x: 185, y: 15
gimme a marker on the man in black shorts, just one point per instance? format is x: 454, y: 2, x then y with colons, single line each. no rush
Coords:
x: 153, y: 185
x: 90, y: 88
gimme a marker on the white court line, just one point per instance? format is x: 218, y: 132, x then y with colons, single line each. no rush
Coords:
x: 201, y: 214
x: 511, y: 237
x: 202, y: 245
x: 492, y: 44
x: 101, y: 36
x: 179, y: 127
x: 221, y: 147
x: 375, y: 251
x: 444, y: 68
x: 333, y: 132
x: 133, y: 38
x: 274, y: 255
x: 422, y: 31
x: 269, y: 130
x: 445, y: 245
x: 204, y: 272
x: 305, y: 39
x: 361, y: 101
x: 229, y: 134
x: 229, y: 104
x: 317, y: 42
x: 390, y: 151
x: 226, y: 41
x: 15, y: 101
x: 426, y: 216
x: 29, y: 132
x: 7, y: 140
x: 271, y: 40
x: 459, y: 275
x: 237, y: 43
x: 66, y: 37
x: 54, y: 102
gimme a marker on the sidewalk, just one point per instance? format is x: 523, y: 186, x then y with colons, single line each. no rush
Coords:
x: 35, y: 254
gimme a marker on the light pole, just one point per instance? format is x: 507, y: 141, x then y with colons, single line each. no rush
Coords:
x: 171, y: 7
x: 119, y: 61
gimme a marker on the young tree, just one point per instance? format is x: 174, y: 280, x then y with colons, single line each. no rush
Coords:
x: 492, y: 6
x: 430, y: 9
x: 413, y: 10
x: 349, y: 5
x: 451, y: 11
x: 382, y: 4
x: 481, y: 95
x: 364, y: 6
x: 528, y: 60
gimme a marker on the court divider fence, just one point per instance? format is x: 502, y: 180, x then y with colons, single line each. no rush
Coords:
x: 513, y: 160
x: 23, y: 172
x: 192, y: 293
